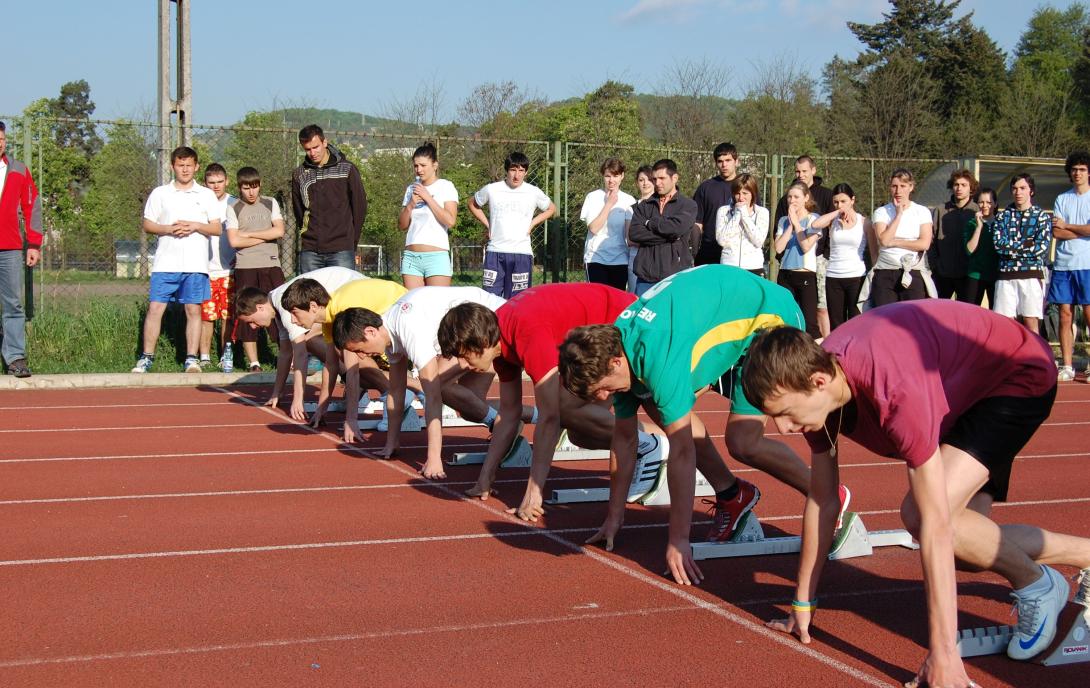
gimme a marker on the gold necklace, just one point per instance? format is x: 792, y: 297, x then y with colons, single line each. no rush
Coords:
x: 833, y: 443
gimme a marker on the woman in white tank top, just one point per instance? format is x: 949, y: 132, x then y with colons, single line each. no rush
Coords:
x: 428, y: 211
x: 850, y: 237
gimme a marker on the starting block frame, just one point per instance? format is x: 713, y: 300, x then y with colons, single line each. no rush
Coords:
x: 1072, y: 647
x: 852, y: 540
x: 565, y: 451
x: 658, y: 495
x: 451, y: 419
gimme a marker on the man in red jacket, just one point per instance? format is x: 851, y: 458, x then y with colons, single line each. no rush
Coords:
x: 18, y: 195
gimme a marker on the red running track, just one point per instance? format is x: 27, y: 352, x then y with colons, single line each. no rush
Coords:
x: 190, y: 537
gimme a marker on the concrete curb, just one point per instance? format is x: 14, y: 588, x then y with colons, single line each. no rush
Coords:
x: 105, y: 380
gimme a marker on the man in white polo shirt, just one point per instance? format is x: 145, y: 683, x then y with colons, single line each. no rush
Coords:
x: 182, y: 214
x: 509, y: 256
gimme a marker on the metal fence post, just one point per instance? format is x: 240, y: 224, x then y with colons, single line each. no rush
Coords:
x: 559, y: 235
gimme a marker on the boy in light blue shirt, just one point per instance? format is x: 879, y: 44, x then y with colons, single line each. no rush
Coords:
x: 1070, y: 282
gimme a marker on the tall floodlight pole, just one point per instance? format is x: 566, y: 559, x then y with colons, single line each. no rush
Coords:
x: 181, y: 106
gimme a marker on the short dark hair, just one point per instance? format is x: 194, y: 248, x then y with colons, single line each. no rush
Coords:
x: 986, y: 190
x: 516, y: 159
x: 248, y: 299
x: 349, y: 324
x: 844, y: 188
x: 806, y: 158
x: 468, y: 328
x: 215, y: 168
x: 782, y: 359
x: 904, y: 174
x: 3, y: 127
x: 1029, y: 180
x: 974, y: 185
x: 614, y: 166
x: 1076, y: 158
x: 301, y: 292
x: 725, y: 149
x: 310, y: 131
x: 426, y: 150
x: 645, y: 170
x: 585, y: 356
x: 248, y: 176
x: 749, y: 183
x: 665, y: 164
x: 183, y: 153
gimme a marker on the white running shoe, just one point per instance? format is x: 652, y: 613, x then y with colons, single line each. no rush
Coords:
x: 1065, y: 374
x: 1082, y: 595
x: 651, y: 456
x: 143, y: 364
x: 1037, y: 617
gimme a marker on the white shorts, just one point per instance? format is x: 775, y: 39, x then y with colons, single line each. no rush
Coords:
x: 1020, y: 297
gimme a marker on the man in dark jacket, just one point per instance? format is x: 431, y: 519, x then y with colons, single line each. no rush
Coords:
x: 329, y: 204
x: 712, y: 194
x: 947, y: 257
x: 661, y: 226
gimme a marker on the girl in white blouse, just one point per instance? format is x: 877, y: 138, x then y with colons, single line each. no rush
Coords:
x: 428, y: 211
x: 742, y: 229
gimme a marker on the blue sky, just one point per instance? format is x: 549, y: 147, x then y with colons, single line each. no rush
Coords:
x: 361, y: 56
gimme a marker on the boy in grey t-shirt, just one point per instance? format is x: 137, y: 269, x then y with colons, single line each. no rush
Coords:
x: 254, y: 225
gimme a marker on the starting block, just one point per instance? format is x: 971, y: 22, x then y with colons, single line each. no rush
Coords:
x: 565, y: 451
x: 410, y: 422
x: 852, y: 540
x: 370, y: 407
x: 519, y: 456
x: 1072, y: 647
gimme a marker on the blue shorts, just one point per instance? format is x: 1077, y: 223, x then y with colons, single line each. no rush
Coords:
x: 181, y: 287
x: 506, y: 274
x: 426, y: 263
x: 1071, y: 287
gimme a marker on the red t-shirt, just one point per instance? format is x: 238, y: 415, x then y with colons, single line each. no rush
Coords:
x: 534, y: 323
x: 915, y: 367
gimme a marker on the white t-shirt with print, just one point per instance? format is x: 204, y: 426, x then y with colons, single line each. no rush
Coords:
x: 909, y: 228
x: 510, y: 212
x: 608, y: 246
x: 424, y: 228
x: 413, y: 321
x: 332, y: 278
x: 168, y: 204
x: 223, y: 253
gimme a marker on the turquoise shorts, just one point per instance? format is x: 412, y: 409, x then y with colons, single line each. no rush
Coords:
x: 426, y: 263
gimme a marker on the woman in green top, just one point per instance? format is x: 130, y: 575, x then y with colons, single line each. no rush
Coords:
x: 983, y: 261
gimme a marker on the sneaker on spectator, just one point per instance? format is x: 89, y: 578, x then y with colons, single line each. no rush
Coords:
x: 192, y: 364
x: 19, y: 368
x: 1037, y: 617
x: 205, y: 362
x: 254, y: 367
x: 143, y: 364
x: 1065, y: 374
x: 1082, y: 595
x: 845, y: 500
x: 727, y: 514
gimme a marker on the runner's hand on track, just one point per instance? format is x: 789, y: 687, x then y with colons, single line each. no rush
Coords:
x: 433, y: 471
x: 297, y: 412
x: 942, y: 672
x: 798, y: 623
x: 272, y: 401
x: 606, y: 533
x: 681, y: 565
x: 530, y: 509
x: 351, y: 432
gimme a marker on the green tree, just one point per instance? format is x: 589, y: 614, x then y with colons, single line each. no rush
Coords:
x: 261, y: 141
x: 123, y: 173
x: 781, y: 112
x: 1045, y: 72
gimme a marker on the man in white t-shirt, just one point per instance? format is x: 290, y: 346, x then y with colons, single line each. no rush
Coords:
x: 407, y: 333
x: 257, y: 309
x: 218, y: 306
x: 903, y: 229
x: 509, y: 256
x: 183, y: 215
x: 607, y: 212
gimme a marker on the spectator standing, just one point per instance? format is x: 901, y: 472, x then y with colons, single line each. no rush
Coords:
x: 806, y: 172
x: 1022, y: 233
x: 903, y: 231
x: 428, y: 212
x: 712, y: 194
x: 607, y: 212
x: 18, y: 195
x: 221, y: 261
x: 509, y: 256
x: 983, y: 265
x: 254, y: 227
x: 182, y: 214
x: 646, y: 189
x: 947, y: 258
x: 742, y: 228
x: 1070, y: 283
x: 797, y: 240
x: 850, y: 236
x: 661, y: 226
x: 328, y: 202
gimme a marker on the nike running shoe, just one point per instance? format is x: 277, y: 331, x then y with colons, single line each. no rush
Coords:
x: 727, y: 513
x: 1037, y: 617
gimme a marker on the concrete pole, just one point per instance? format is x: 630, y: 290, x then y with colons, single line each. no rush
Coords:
x: 166, y: 105
x: 184, y: 105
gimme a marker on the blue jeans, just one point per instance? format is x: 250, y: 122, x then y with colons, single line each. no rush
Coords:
x: 12, y: 264
x: 311, y: 260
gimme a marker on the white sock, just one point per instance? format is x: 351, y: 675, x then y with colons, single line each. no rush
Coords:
x: 490, y: 417
x: 1041, y: 585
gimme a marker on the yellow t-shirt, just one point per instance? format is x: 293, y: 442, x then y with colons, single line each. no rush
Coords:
x: 373, y: 294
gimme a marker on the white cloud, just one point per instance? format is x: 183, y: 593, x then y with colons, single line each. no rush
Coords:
x: 666, y: 8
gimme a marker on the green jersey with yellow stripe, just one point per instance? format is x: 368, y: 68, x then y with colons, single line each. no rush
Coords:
x: 690, y: 329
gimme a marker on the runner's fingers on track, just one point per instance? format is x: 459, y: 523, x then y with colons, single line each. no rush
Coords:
x: 798, y: 624
x: 297, y: 412
x: 681, y: 565
x: 605, y: 534
x: 271, y: 402
x: 528, y: 512
x: 433, y: 472
x: 482, y: 493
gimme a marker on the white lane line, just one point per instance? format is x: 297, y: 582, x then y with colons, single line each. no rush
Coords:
x: 187, y: 455
x: 657, y: 583
x: 346, y: 637
x: 148, y: 427
x: 114, y: 406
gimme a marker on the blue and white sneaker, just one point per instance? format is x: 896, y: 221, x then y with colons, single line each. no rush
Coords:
x: 651, y: 454
x: 192, y: 364
x: 143, y: 364
x: 1082, y: 595
x: 1037, y: 617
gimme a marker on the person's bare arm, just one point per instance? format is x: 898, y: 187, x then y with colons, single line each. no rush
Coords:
x: 503, y: 434
x: 542, y: 216
x: 622, y: 464
x: 595, y: 225
x: 681, y: 479
x: 299, y: 362
x: 283, y: 366
x: 270, y: 233
x: 546, y: 434
x: 476, y: 211
x: 1064, y: 230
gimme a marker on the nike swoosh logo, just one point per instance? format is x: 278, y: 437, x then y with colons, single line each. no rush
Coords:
x: 1026, y: 645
